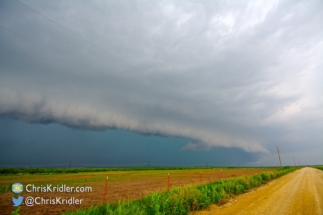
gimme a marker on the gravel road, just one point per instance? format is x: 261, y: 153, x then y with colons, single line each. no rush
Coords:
x: 300, y: 192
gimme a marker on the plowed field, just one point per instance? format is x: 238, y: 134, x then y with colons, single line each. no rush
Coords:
x: 122, y: 185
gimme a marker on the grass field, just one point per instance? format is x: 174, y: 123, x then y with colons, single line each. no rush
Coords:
x: 123, y: 185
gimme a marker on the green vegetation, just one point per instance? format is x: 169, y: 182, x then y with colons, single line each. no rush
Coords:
x: 5, y: 188
x: 16, y: 212
x: 38, y: 170
x: 182, y: 200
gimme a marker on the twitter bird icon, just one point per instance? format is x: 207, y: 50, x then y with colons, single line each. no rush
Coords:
x: 17, y: 201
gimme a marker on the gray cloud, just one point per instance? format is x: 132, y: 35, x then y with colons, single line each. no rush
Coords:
x: 224, y: 74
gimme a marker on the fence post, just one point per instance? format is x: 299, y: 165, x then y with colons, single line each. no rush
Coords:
x: 106, y: 187
x: 168, y: 182
x: 200, y: 177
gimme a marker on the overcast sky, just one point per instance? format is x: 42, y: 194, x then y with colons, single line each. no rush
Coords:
x: 165, y: 82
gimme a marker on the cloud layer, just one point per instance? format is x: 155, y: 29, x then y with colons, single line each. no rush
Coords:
x: 224, y: 74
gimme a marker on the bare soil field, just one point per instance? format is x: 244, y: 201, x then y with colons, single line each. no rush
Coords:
x: 300, y: 192
x: 122, y: 185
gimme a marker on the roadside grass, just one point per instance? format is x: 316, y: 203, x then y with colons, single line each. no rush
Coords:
x: 182, y: 200
x: 16, y: 212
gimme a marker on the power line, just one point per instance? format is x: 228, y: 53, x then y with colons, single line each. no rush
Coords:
x: 88, y: 41
x: 79, y: 36
x: 110, y: 165
x: 97, y: 46
x: 77, y: 165
x: 50, y: 49
x: 35, y: 165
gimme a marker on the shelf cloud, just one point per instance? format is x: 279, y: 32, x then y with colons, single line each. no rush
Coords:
x: 241, y: 75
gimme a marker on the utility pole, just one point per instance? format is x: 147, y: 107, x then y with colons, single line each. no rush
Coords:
x: 294, y: 161
x: 280, y: 161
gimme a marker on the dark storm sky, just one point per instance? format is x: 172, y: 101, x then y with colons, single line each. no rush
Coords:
x: 169, y: 82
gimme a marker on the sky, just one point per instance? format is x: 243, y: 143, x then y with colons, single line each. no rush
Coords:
x: 128, y: 83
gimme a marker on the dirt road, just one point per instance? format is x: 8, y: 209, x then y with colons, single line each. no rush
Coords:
x: 300, y: 192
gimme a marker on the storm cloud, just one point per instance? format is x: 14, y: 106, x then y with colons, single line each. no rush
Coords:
x: 234, y: 74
